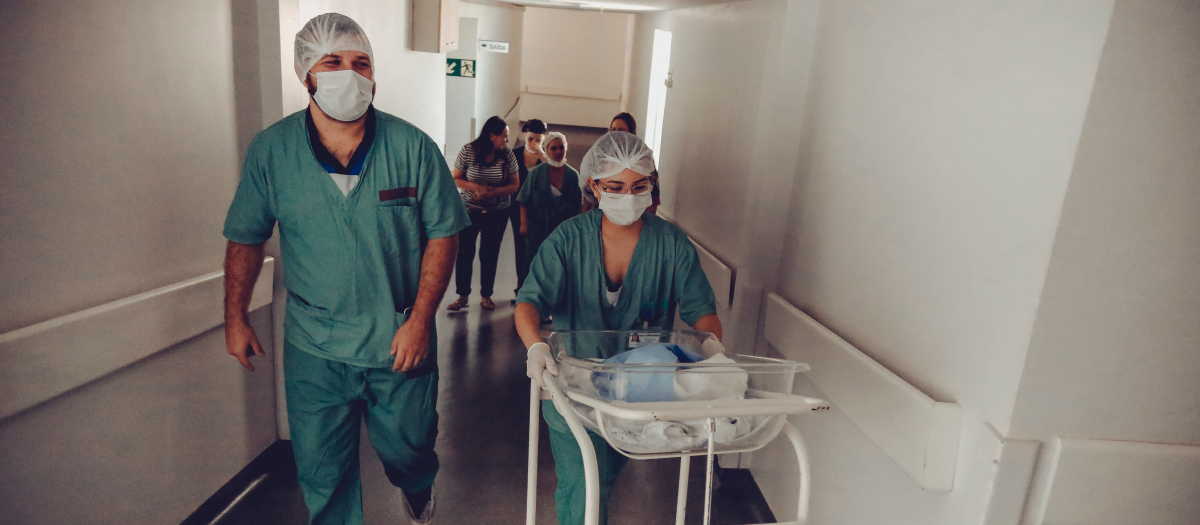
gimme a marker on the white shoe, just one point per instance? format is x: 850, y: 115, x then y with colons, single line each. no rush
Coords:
x: 426, y: 516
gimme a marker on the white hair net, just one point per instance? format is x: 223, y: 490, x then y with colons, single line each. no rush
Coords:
x: 551, y: 136
x: 615, y: 152
x: 325, y: 34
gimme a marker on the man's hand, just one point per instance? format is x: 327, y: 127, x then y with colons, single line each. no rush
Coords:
x: 241, y: 342
x: 410, y: 346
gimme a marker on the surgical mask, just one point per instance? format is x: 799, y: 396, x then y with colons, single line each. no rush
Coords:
x: 624, y: 210
x: 557, y: 163
x: 343, y: 95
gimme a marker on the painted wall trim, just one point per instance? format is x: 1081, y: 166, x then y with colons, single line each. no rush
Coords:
x: 921, y: 435
x: 720, y: 275
x: 45, y: 360
x: 1014, y: 463
x: 1101, y: 482
x: 595, y: 94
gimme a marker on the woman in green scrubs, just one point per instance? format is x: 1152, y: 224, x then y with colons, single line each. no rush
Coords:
x: 549, y: 196
x: 614, y: 268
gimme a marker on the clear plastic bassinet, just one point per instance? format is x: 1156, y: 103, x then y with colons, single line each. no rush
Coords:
x: 647, y: 410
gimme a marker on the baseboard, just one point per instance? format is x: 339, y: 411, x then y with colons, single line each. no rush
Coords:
x: 276, y: 459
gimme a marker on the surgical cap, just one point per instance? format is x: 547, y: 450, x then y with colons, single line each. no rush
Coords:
x: 325, y: 34
x: 554, y: 135
x: 615, y: 152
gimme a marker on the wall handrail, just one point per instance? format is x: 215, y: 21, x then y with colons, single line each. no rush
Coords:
x: 45, y: 360
x: 921, y: 435
x: 516, y: 103
x: 593, y: 94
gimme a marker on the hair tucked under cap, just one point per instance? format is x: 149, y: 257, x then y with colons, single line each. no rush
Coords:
x: 326, y: 34
x: 614, y: 152
x: 554, y: 135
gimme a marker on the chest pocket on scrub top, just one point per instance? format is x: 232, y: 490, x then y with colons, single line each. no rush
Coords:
x: 399, y: 220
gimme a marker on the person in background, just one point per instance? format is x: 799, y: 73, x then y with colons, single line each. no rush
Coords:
x: 622, y: 122
x: 368, y: 220
x: 550, y: 196
x: 529, y: 154
x: 486, y: 171
x: 616, y: 268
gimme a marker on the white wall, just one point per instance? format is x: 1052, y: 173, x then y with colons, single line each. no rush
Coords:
x: 498, y: 80
x: 718, y: 58
x: 122, y: 136
x: 411, y: 85
x: 461, y: 124
x: 561, y: 49
x: 1114, y: 349
x: 929, y: 162
x: 939, y: 139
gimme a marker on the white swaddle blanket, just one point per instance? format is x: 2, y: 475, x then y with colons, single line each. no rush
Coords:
x: 692, y: 385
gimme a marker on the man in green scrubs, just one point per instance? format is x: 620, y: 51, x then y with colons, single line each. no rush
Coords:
x: 368, y: 219
x: 614, y: 268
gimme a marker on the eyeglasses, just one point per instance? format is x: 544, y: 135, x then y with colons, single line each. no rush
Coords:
x: 637, y: 189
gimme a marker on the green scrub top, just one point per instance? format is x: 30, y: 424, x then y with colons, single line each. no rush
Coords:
x: 351, y: 263
x: 567, y: 280
x: 545, y: 211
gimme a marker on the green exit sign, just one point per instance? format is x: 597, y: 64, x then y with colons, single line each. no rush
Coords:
x: 460, y: 67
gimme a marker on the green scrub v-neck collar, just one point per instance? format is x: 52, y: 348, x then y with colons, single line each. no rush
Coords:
x: 634, y: 266
x: 361, y: 158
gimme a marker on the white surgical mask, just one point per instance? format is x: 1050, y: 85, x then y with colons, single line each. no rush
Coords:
x: 343, y: 95
x: 624, y: 210
x: 557, y: 163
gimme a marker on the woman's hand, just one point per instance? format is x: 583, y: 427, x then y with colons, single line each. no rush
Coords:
x: 536, y: 149
x: 481, y: 193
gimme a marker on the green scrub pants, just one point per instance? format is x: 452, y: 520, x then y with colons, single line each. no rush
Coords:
x: 326, y: 402
x: 569, y: 498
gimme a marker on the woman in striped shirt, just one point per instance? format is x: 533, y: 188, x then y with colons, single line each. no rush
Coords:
x: 486, y: 172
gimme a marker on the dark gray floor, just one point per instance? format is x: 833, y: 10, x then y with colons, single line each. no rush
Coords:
x: 482, y: 443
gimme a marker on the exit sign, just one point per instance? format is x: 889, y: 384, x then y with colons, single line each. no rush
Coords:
x: 460, y: 67
x: 493, y: 46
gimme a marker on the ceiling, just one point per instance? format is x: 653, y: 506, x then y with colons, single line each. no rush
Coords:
x: 623, y: 6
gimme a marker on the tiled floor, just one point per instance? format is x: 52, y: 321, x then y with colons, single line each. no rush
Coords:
x: 482, y: 443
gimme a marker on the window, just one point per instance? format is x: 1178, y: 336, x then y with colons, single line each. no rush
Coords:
x: 656, y: 101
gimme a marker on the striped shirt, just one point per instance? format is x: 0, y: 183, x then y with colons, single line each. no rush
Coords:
x: 495, y: 174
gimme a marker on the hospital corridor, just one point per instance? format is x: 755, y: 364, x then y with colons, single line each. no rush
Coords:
x: 600, y: 262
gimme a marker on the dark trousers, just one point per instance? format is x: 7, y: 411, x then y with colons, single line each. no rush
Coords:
x: 519, y: 243
x: 489, y: 228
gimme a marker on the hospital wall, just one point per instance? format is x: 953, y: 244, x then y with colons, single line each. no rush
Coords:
x: 718, y: 60
x: 925, y: 150
x: 582, y: 57
x: 498, y: 80
x: 122, y: 130
x: 1113, y: 354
